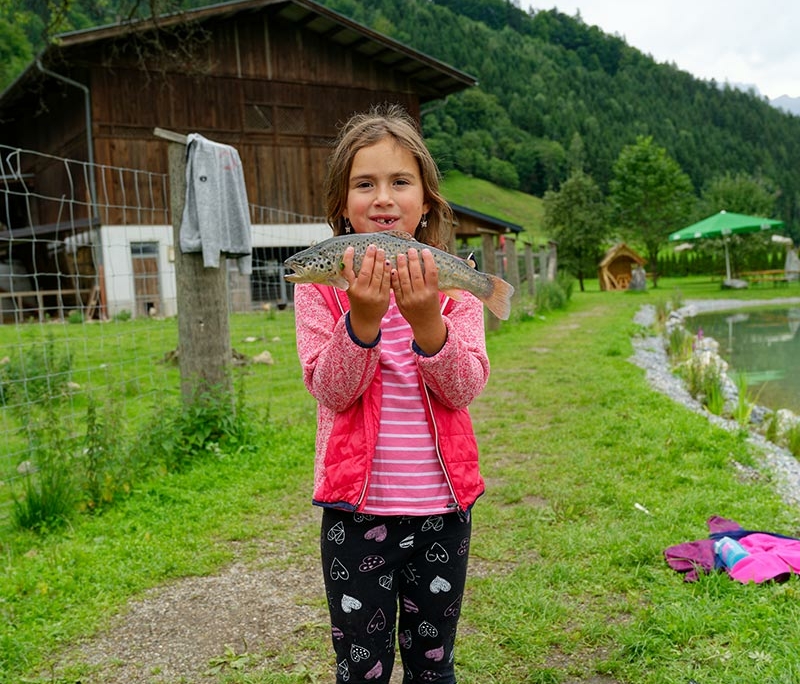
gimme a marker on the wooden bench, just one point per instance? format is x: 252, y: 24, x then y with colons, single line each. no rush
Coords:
x: 21, y: 311
x: 775, y: 276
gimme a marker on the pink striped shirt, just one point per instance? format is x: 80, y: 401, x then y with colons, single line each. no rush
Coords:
x: 407, y: 477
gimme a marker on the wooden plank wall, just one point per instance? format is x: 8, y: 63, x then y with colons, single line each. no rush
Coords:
x: 275, y: 91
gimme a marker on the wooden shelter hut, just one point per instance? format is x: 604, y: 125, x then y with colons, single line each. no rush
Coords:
x: 616, y: 268
x: 272, y: 78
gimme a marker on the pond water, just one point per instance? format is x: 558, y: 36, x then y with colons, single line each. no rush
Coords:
x: 764, y: 345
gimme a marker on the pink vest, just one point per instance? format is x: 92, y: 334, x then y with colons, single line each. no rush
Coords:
x: 348, y: 457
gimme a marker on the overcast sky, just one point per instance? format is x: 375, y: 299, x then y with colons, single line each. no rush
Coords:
x: 750, y: 42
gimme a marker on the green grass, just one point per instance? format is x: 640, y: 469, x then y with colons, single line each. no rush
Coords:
x: 487, y: 198
x: 568, y: 581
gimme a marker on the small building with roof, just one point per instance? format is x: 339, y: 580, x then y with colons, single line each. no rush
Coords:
x: 616, y: 268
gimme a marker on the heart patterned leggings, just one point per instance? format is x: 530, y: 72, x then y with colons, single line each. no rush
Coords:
x: 374, y: 565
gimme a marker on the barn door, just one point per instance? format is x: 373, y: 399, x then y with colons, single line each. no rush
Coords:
x: 146, y: 285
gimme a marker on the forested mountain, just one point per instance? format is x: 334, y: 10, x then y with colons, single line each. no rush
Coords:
x: 554, y: 91
x: 554, y: 94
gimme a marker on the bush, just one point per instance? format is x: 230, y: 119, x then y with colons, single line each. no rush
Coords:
x: 555, y: 295
x: 211, y: 424
x: 503, y: 173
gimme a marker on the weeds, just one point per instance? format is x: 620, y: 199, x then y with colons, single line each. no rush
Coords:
x: 744, y: 401
x: 230, y: 660
x: 703, y: 376
x: 555, y: 295
x: 214, y: 423
x: 714, y: 398
x: 87, y: 473
x: 662, y: 313
x: 103, y: 459
x: 663, y: 308
x: 69, y: 471
x: 35, y: 375
x: 679, y: 345
x: 793, y: 439
x: 773, y: 423
x: 48, y: 492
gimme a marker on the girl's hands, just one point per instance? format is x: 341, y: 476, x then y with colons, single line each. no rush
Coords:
x: 415, y: 282
x: 368, y: 291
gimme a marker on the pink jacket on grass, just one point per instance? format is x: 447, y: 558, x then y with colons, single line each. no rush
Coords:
x: 345, y: 378
x: 772, y: 557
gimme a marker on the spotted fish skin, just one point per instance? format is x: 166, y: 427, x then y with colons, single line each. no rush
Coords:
x: 322, y: 264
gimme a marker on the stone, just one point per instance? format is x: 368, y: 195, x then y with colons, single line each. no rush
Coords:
x: 735, y: 284
x: 638, y: 280
x: 265, y: 358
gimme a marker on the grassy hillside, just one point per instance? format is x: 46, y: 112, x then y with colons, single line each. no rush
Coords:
x: 511, y: 205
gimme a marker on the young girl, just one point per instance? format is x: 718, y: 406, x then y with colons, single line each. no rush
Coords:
x: 393, y: 364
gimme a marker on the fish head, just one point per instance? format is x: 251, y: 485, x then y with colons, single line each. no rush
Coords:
x: 315, y: 265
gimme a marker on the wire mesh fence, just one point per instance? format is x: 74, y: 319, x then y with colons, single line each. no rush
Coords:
x: 88, y: 300
x: 88, y: 311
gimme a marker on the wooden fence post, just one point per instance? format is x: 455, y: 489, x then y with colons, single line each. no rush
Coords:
x: 543, y: 277
x: 490, y: 266
x: 530, y: 272
x: 204, y: 340
x: 512, y: 264
x: 552, y: 261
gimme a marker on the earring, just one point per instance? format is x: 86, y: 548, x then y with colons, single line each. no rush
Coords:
x: 347, y: 226
x: 424, y: 221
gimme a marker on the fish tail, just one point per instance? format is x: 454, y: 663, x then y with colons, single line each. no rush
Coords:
x: 498, y: 297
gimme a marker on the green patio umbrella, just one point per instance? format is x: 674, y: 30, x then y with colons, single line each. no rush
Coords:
x: 724, y: 224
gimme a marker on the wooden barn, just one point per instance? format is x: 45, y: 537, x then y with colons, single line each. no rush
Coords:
x: 272, y: 78
x: 616, y: 268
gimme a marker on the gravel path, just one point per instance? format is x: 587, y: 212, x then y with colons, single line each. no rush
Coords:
x: 250, y: 614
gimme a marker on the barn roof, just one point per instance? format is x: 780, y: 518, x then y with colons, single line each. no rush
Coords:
x: 435, y: 78
x: 501, y: 225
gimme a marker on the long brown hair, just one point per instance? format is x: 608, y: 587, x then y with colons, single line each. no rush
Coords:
x: 369, y: 128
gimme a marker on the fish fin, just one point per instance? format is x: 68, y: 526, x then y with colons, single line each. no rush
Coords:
x: 401, y: 234
x: 498, y: 301
x: 455, y: 294
x: 339, y: 282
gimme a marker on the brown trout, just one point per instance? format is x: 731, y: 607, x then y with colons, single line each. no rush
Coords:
x: 322, y: 264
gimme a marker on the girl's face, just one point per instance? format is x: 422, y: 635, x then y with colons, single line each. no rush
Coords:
x: 385, y: 191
